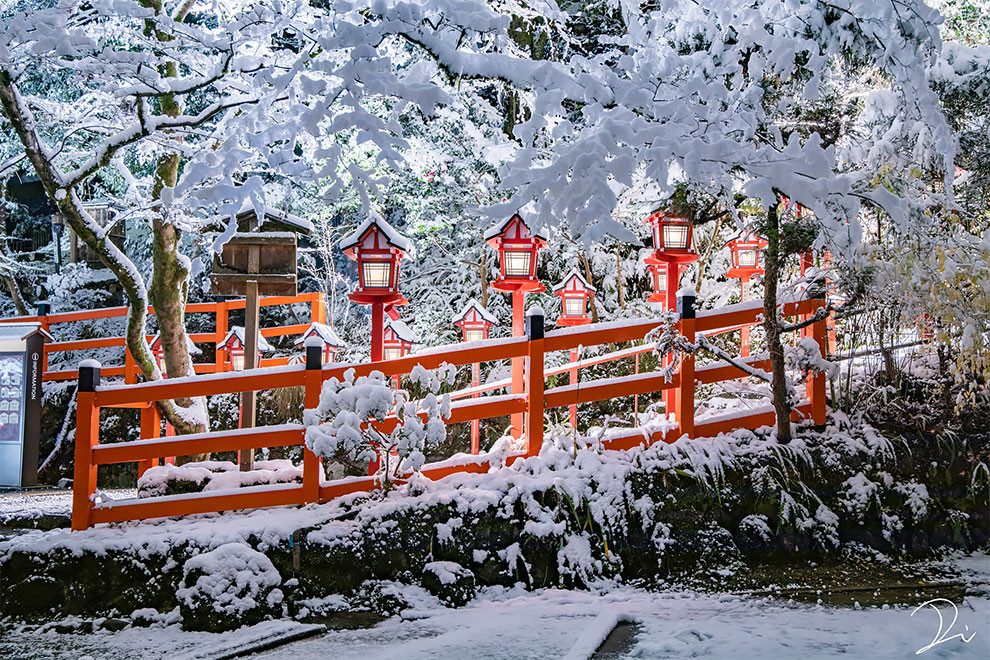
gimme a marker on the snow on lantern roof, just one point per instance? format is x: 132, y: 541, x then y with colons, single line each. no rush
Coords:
x: 270, y: 214
x: 402, y: 331
x: 237, y: 332
x: 498, y: 229
x: 394, y: 238
x: 190, y: 346
x: 569, y: 277
x: 481, y: 311
x: 324, y: 332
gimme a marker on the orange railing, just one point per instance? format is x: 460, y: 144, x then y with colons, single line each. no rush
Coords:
x: 129, y: 370
x: 532, y: 401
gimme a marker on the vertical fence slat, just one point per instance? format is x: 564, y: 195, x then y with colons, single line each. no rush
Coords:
x: 817, y: 394
x: 534, y: 384
x: 313, y: 385
x: 685, y: 388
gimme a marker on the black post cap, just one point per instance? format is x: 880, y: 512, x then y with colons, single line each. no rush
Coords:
x: 89, y: 375
x: 685, y: 305
x: 44, y: 307
x: 314, y: 356
x: 534, y: 323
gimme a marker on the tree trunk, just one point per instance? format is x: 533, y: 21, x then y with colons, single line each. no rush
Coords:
x: 586, y: 262
x: 618, y: 280
x: 772, y: 326
x: 703, y: 262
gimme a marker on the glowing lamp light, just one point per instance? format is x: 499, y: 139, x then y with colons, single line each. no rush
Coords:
x: 658, y: 275
x: 475, y: 321
x: 378, y: 249
x: 398, y: 340
x: 517, y: 253
x: 671, y: 234
x: 746, y: 252
x: 234, y: 344
x: 575, y: 294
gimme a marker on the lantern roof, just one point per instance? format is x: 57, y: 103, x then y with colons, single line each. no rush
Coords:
x: 324, y: 332
x: 482, y: 313
x: 749, y: 236
x: 193, y: 349
x: 500, y: 229
x: 665, y: 212
x: 236, y: 332
x: 375, y: 221
x: 402, y: 331
x: 581, y: 281
x: 253, y: 217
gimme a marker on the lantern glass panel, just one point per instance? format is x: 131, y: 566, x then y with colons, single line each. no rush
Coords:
x: 474, y: 334
x: 675, y: 236
x: 747, y: 257
x: 161, y: 365
x: 516, y: 263
x: 656, y: 235
x: 393, y: 352
x: 237, y: 360
x: 377, y: 274
x: 574, y: 305
x: 659, y: 280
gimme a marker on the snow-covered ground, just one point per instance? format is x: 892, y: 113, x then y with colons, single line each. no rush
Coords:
x: 512, y: 623
x: 33, y: 503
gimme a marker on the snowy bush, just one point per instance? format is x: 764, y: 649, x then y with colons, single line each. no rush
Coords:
x: 214, y: 475
x: 228, y: 587
x: 359, y: 418
x: 449, y: 581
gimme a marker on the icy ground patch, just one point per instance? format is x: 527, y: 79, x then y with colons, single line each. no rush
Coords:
x: 33, y: 504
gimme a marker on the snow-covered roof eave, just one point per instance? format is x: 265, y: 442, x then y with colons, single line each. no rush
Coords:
x: 269, y: 213
x: 403, y: 332
x: 238, y: 331
x: 324, y: 332
x: 497, y: 229
x: 567, y: 278
x: 482, y: 312
x: 393, y: 237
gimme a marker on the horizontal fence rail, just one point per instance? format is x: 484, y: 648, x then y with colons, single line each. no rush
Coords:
x: 530, y: 400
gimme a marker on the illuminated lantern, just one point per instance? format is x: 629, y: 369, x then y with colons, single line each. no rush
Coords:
x: 159, y: 352
x: 517, y: 254
x: 399, y: 339
x: 575, y: 294
x: 475, y: 321
x: 331, y: 342
x: 658, y: 274
x: 378, y: 249
x: 747, y: 256
x: 672, y: 234
x: 234, y: 344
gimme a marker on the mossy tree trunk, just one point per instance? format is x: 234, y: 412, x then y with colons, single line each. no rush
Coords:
x: 772, y: 325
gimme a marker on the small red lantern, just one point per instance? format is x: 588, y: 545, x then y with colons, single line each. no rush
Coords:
x: 234, y: 344
x: 517, y: 251
x: 475, y: 321
x: 399, y: 339
x: 747, y: 256
x: 331, y: 342
x: 159, y: 352
x: 673, y: 237
x: 378, y: 248
x: 575, y: 294
x: 658, y: 273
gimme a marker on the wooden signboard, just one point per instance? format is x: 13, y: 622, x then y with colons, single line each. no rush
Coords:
x: 268, y: 258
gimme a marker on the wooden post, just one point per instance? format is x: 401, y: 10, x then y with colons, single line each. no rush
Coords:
x: 475, y: 423
x: 573, y: 381
x: 130, y: 367
x: 222, y: 313
x: 43, y: 309
x: 87, y: 437
x: 744, y: 332
x: 249, y: 400
x: 673, y: 283
x: 151, y: 426
x: 318, y: 311
x: 377, y: 354
x: 636, y: 397
x: 685, y: 398
x: 314, y: 385
x: 518, y: 379
x: 534, y: 382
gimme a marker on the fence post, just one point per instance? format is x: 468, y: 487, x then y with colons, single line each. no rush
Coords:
x: 151, y: 428
x: 44, y: 307
x: 685, y: 397
x: 87, y: 437
x: 313, y: 385
x: 534, y: 381
x: 318, y: 312
x: 817, y: 385
x: 221, y: 311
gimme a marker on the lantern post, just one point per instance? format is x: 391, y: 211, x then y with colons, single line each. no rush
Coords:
x: 747, y: 260
x: 378, y: 248
x: 517, y: 248
x: 575, y: 296
x: 475, y: 323
x: 673, y: 235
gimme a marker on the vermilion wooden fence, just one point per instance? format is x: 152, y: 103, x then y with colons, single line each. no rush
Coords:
x: 129, y: 370
x: 533, y: 401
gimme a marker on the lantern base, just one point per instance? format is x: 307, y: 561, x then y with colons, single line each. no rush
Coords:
x: 569, y: 321
x: 743, y: 273
x: 657, y: 297
x: 669, y: 257
x: 527, y: 285
x: 367, y: 298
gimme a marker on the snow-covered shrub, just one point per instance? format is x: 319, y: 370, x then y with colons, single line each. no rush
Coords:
x: 359, y: 418
x: 228, y: 587
x: 214, y: 475
x: 449, y: 581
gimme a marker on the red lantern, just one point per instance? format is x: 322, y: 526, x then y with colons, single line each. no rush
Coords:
x: 398, y: 339
x: 658, y: 273
x: 331, y: 342
x: 159, y: 352
x: 673, y: 237
x: 378, y: 249
x: 575, y: 294
x: 517, y: 252
x: 475, y: 321
x: 234, y: 344
x: 747, y: 256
